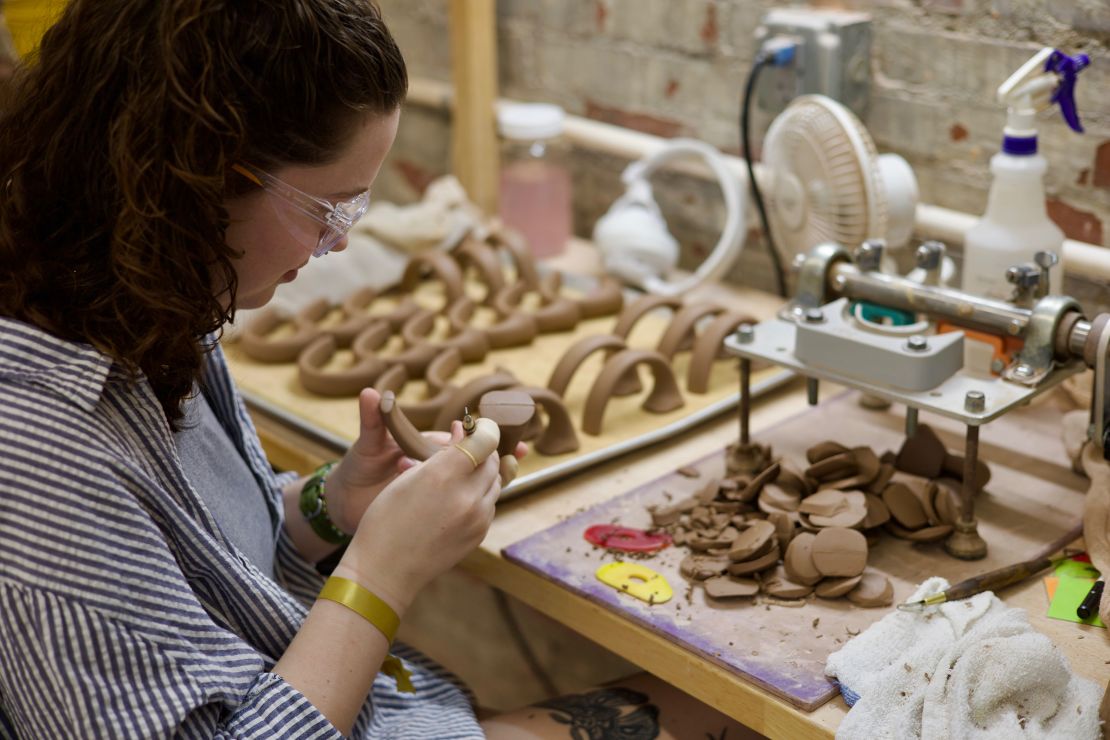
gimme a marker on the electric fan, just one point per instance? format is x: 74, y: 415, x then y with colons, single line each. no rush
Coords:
x: 829, y: 183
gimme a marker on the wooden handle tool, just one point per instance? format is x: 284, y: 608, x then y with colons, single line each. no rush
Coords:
x: 1000, y: 578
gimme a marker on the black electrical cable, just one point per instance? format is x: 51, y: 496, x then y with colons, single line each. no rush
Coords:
x: 522, y: 644
x: 745, y: 138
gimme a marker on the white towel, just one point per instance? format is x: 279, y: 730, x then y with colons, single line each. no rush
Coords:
x: 969, y: 668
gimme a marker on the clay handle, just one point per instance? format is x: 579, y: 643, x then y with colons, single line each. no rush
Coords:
x: 511, y: 410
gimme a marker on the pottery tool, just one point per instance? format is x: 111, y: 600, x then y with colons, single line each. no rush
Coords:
x: 835, y: 329
x: 1000, y: 578
x: 1091, y: 602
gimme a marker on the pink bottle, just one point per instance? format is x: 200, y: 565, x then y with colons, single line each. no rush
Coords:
x: 535, y: 181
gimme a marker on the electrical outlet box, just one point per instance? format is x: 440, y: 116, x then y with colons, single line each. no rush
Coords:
x: 833, y: 58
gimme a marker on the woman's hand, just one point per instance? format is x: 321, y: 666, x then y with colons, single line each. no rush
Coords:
x: 371, y: 463
x: 423, y: 523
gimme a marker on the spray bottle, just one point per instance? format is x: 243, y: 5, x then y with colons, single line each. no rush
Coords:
x: 1016, y: 225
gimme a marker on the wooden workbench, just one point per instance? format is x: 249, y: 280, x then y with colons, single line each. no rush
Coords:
x: 1087, y: 648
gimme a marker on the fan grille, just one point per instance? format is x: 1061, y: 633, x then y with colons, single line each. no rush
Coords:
x: 826, y: 181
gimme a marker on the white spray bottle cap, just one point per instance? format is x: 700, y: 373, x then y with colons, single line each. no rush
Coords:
x: 1047, y: 79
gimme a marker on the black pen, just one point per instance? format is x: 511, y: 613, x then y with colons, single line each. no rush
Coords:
x: 1090, y: 604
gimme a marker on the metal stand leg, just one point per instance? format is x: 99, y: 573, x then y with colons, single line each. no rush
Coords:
x: 911, y: 422
x: 965, y: 543
x: 812, y: 391
x: 745, y: 458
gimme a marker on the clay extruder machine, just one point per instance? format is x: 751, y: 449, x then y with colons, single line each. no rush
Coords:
x: 902, y: 341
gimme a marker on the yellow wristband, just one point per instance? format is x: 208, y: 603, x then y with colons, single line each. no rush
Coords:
x: 362, y: 602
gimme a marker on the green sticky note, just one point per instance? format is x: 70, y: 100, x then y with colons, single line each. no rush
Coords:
x: 1070, y: 593
x: 1076, y: 569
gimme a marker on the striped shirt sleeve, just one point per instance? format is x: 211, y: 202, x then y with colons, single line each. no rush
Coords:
x: 86, y: 674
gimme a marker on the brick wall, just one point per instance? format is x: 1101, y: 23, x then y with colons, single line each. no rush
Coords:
x: 676, y: 67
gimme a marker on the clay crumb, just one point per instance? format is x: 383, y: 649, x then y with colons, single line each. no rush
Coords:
x: 907, y: 667
x: 816, y: 622
x: 928, y: 678
x: 687, y: 471
x: 851, y: 631
x: 730, y: 644
x: 901, y: 693
x: 755, y: 652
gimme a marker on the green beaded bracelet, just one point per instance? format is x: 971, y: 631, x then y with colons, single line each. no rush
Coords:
x: 315, y: 508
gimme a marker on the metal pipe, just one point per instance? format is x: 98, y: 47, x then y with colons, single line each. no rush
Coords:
x: 911, y: 422
x: 745, y: 399
x: 971, y: 476
x: 973, y: 312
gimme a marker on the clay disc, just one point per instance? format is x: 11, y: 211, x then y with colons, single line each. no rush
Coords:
x: 867, y: 468
x: 799, y: 560
x: 947, y: 501
x: 793, y: 481
x: 824, y: 503
x: 927, y: 534
x: 851, y: 517
x: 831, y: 588
x: 700, y: 567
x: 837, y: 551
x: 727, y: 587
x: 784, y: 527
x: 904, y: 506
x: 833, y: 468
x: 926, y: 492
x: 709, y: 491
x: 873, y: 590
x: 922, y: 454
x: 755, y: 565
x: 877, y: 512
x: 778, y: 584
x: 820, y: 451
x: 777, y: 499
x: 886, y: 472
x: 752, y: 541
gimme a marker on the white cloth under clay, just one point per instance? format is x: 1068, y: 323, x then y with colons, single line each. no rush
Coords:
x: 972, y: 668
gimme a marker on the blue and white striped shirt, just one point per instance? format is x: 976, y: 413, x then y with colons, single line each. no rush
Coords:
x: 124, y: 612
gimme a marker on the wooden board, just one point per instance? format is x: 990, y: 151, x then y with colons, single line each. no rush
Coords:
x: 1033, y: 498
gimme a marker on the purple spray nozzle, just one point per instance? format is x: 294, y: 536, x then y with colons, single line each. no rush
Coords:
x: 1067, y: 69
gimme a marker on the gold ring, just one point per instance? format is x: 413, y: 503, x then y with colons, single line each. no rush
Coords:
x: 469, y: 454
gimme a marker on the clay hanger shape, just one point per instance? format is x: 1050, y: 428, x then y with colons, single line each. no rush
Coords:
x: 664, y: 395
x: 442, y: 267
x: 484, y: 260
x: 501, y: 237
x: 467, y: 396
x: 415, y: 359
x: 416, y: 445
x: 681, y: 331
x: 557, y: 437
x: 345, y: 331
x: 363, y: 299
x: 555, y: 314
x: 578, y: 352
x: 708, y: 346
x: 348, y: 381
x: 421, y: 413
x: 258, y: 344
x: 470, y: 341
x: 606, y: 299
x: 640, y: 307
x: 442, y: 369
x: 513, y: 330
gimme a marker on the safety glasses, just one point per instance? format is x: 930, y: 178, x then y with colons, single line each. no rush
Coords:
x: 336, y: 219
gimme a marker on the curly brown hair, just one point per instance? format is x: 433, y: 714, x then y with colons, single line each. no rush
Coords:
x: 115, y: 154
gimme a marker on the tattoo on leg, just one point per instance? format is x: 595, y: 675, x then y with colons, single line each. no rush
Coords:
x: 601, y: 715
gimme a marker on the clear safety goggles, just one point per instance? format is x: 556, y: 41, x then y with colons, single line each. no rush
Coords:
x: 336, y: 219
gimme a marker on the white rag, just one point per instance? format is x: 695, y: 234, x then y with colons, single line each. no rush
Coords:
x: 378, y: 248
x: 969, y: 668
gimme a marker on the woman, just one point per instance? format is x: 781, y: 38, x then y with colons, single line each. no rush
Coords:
x: 162, y: 165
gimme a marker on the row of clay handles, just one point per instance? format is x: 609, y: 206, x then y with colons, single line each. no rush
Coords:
x: 503, y: 418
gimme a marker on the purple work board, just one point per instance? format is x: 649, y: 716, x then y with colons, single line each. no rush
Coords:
x: 783, y: 648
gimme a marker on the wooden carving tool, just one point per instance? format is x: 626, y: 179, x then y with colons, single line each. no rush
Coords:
x: 998, y: 579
